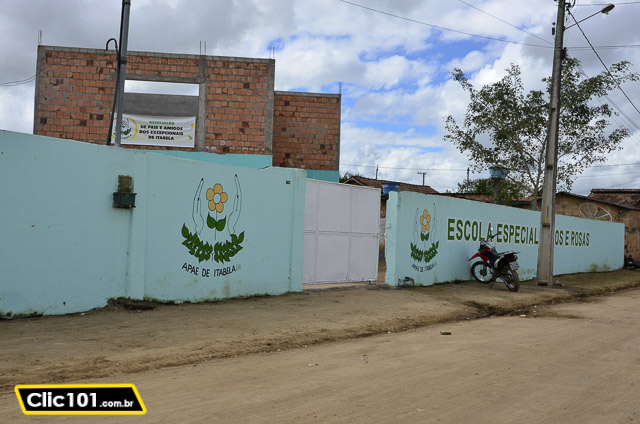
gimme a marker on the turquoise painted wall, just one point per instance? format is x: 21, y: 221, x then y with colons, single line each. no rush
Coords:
x: 245, y: 161
x: 261, y: 215
x: 65, y: 249
x: 430, y: 239
x: 229, y: 159
x: 323, y: 175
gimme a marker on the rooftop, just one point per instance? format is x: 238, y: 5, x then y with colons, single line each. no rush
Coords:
x: 370, y: 182
x: 629, y: 197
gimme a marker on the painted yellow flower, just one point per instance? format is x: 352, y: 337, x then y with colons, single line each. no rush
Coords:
x: 217, y: 198
x: 425, y: 220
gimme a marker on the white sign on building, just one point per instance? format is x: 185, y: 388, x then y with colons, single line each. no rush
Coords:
x: 138, y: 130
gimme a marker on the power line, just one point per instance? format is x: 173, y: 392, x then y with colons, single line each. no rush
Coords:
x: 477, y: 35
x: 502, y: 20
x: 615, y: 164
x: 18, y: 82
x: 405, y: 169
x: 442, y: 28
x: 33, y: 77
x: 624, y: 184
x: 607, y: 175
x: 460, y: 170
x: 24, y: 81
x: 622, y: 46
x: 606, y: 4
x: 601, y: 61
x: 629, y: 121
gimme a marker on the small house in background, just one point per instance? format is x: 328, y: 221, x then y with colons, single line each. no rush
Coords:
x: 622, y: 205
x: 386, y: 187
x: 629, y: 197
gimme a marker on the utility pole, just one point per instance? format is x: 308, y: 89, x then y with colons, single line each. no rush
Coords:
x: 423, y: 174
x: 122, y: 64
x: 548, y: 210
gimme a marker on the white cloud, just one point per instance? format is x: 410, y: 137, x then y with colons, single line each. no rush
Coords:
x: 471, y: 62
x: 16, y: 114
x: 399, y: 156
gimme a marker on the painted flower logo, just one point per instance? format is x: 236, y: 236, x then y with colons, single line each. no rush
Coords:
x: 420, y: 251
x: 222, y: 248
x: 425, y: 222
x: 217, y: 198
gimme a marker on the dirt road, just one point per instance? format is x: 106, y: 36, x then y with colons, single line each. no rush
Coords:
x: 567, y: 362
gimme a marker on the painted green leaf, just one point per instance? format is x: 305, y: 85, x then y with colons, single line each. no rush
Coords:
x: 234, y: 239
x: 185, y: 231
x: 211, y: 222
x: 221, y: 223
x: 241, y: 237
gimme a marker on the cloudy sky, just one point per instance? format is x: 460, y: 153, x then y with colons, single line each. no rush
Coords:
x: 391, y: 59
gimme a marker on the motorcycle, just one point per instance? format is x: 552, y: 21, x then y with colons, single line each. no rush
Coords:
x: 494, y: 265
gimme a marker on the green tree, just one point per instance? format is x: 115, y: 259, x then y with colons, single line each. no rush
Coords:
x: 506, y: 126
x: 509, y: 190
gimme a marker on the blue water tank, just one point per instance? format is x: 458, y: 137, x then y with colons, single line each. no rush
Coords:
x: 386, y: 188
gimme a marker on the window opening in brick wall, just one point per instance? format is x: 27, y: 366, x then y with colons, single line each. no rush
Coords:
x: 152, y: 98
x: 154, y: 87
x: 161, y: 114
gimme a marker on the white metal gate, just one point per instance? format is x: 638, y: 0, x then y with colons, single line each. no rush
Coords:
x: 341, y: 233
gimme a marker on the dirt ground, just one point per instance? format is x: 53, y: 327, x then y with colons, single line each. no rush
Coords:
x: 160, y: 345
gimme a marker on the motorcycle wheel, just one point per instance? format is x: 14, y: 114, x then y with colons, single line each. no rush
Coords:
x: 512, y: 280
x: 481, y: 272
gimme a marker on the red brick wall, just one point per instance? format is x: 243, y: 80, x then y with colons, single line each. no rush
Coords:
x: 75, y: 88
x: 306, y: 130
x: 74, y: 93
x: 239, y: 112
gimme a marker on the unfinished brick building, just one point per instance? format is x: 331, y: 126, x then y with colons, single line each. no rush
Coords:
x: 237, y: 109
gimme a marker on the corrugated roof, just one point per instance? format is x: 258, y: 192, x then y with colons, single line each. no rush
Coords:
x: 629, y: 197
x: 369, y: 182
x: 479, y: 197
